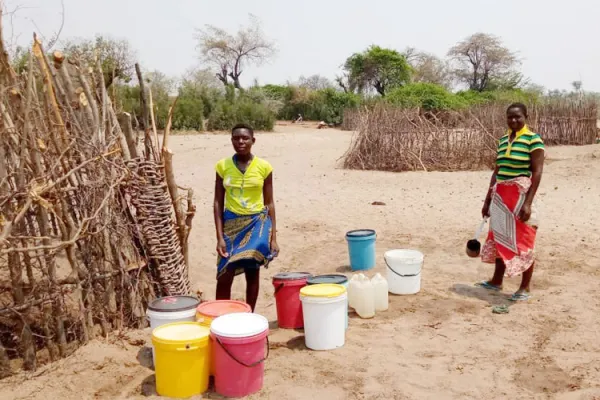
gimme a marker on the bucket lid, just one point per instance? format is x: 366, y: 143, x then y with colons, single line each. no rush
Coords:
x: 291, y: 276
x: 174, y: 303
x: 238, y: 325
x: 323, y: 290
x: 214, y: 309
x: 361, y: 233
x: 181, y: 332
x: 336, y: 279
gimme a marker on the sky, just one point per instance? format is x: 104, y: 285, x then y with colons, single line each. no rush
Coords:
x: 556, y: 40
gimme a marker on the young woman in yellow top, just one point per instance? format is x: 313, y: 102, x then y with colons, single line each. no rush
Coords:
x: 244, y: 216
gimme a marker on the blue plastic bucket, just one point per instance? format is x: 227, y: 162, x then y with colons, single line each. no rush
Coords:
x: 336, y: 279
x: 361, y: 247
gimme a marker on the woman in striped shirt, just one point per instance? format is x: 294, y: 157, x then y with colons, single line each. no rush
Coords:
x: 510, y: 204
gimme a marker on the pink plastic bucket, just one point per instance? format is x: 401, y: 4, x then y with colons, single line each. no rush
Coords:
x: 241, y: 346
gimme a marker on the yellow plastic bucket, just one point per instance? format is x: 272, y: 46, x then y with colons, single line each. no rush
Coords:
x: 182, y: 359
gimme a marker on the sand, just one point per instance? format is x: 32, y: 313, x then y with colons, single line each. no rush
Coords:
x: 443, y: 343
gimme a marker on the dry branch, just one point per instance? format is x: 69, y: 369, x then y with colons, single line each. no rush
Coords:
x: 393, y: 139
x: 88, y: 231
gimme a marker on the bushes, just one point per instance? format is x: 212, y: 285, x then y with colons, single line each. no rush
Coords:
x: 242, y: 110
x: 427, y: 96
x: 259, y: 106
x: 315, y: 105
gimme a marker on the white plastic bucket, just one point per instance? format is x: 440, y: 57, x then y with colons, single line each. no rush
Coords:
x: 404, y: 271
x: 166, y: 310
x: 325, y: 309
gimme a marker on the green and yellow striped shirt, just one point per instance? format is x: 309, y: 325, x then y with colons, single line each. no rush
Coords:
x: 514, y: 159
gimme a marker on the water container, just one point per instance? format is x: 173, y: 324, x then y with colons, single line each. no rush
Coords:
x: 364, y: 298
x: 325, y: 309
x: 380, y: 289
x: 361, y: 248
x: 287, y: 298
x: 170, y: 309
x: 333, y: 279
x: 352, y: 287
x: 404, y: 271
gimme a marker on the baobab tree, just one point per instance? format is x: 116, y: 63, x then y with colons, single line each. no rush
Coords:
x: 230, y: 54
x: 482, y: 62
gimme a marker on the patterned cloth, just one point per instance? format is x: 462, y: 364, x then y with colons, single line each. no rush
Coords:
x: 248, y: 237
x: 509, y: 238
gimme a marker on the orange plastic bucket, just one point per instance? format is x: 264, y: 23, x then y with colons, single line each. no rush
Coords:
x: 208, y: 311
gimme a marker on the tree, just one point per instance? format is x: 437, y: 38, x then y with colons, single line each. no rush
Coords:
x: 117, y: 58
x: 481, y: 60
x: 314, y: 82
x: 232, y: 53
x: 377, y: 68
x: 163, y: 88
x: 427, y: 68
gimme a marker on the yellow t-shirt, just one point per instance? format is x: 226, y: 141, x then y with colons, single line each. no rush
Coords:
x: 244, y: 191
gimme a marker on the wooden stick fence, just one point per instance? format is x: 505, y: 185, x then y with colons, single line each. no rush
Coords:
x: 88, y: 232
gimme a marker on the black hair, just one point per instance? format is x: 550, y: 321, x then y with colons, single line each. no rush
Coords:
x: 520, y: 106
x: 243, y: 126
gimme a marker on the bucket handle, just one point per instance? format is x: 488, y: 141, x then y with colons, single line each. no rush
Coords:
x: 254, y: 364
x: 278, y: 288
x: 404, y: 276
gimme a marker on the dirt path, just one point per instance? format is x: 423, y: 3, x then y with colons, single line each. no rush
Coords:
x: 442, y: 343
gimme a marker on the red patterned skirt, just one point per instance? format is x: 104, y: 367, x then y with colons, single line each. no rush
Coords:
x: 509, y: 238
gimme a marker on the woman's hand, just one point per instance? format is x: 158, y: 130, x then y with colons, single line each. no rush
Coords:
x: 222, y: 248
x: 525, y: 212
x: 274, y: 248
x: 485, y: 211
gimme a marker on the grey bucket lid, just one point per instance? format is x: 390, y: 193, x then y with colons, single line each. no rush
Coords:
x: 360, y: 233
x: 174, y: 303
x: 336, y: 279
x: 292, y: 276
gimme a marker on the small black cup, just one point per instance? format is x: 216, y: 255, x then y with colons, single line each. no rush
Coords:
x: 473, y: 248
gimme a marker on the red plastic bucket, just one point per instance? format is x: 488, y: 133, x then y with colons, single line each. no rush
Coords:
x: 207, y: 312
x: 287, y: 298
x: 241, y: 348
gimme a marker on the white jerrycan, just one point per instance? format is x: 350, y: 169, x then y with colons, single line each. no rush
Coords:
x: 380, y: 290
x: 365, y: 298
x: 352, y: 289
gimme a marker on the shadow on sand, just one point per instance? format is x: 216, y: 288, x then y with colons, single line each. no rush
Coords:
x: 490, y: 296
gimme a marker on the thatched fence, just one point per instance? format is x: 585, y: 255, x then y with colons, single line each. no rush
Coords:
x: 91, y: 227
x: 389, y: 138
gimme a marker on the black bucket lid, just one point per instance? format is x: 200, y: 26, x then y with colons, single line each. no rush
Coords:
x: 361, y: 233
x: 292, y: 276
x: 336, y: 279
x: 174, y: 303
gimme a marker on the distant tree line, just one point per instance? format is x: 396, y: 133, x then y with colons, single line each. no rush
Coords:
x: 477, y: 70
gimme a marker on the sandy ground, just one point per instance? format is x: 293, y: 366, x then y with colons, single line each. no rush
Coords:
x: 443, y: 343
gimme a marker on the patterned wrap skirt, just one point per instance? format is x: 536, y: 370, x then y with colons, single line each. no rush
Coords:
x: 248, y: 240
x: 509, y: 238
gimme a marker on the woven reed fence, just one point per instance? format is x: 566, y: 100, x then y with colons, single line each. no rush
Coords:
x: 388, y: 138
x: 91, y: 228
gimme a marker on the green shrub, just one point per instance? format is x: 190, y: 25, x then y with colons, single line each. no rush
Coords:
x: 314, y: 105
x: 189, y: 111
x: 428, y: 96
x: 241, y: 111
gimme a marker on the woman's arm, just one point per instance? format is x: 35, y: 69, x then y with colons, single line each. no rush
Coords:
x: 219, y: 207
x: 537, y: 168
x: 270, y: 204
x: 485, y: 212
